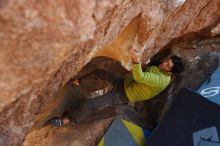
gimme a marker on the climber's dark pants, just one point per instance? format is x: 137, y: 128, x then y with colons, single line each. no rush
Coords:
x: 115, y: 96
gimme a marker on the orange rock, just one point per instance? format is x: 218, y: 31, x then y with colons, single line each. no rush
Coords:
x: 46, y: 43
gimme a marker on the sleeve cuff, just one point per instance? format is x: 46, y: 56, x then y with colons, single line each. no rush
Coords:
x: 136, y: 65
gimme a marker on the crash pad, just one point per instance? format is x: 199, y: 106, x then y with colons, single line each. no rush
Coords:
x: 124, y: 133
x: 211, y: 88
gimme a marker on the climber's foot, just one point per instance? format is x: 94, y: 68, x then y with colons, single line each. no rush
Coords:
x: 58, y: 122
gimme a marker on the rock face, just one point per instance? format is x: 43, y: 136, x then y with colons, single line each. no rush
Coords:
x: 86, y: 136
x: 45, y: 43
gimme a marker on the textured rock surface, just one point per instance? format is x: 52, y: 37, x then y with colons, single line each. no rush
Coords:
x: 81, y: 135
x: 45, y: 43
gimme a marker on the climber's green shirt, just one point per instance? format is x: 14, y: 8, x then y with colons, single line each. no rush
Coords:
x: 145, y: 85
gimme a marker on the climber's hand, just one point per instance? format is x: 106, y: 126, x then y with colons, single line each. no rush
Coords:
x: 136, y: 56
x: 75, y: 82
x: 147, y: 62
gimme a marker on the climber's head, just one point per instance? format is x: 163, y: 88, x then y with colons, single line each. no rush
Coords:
x: 172, y: 64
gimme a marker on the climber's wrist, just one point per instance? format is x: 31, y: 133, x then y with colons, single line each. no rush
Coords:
x: 136, y: 61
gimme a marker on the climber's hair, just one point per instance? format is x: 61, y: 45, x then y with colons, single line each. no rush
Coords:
x: 178, y: 66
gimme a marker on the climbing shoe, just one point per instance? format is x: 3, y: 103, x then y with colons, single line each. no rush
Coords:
x: 56, y: 122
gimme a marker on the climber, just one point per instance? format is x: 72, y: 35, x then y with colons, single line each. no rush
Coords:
x: 138, y: 86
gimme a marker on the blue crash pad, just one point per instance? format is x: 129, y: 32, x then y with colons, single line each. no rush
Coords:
x: 207, y: 143
x: 211, y: 88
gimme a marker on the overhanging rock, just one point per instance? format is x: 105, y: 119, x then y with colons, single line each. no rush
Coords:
x: 45, y: 43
